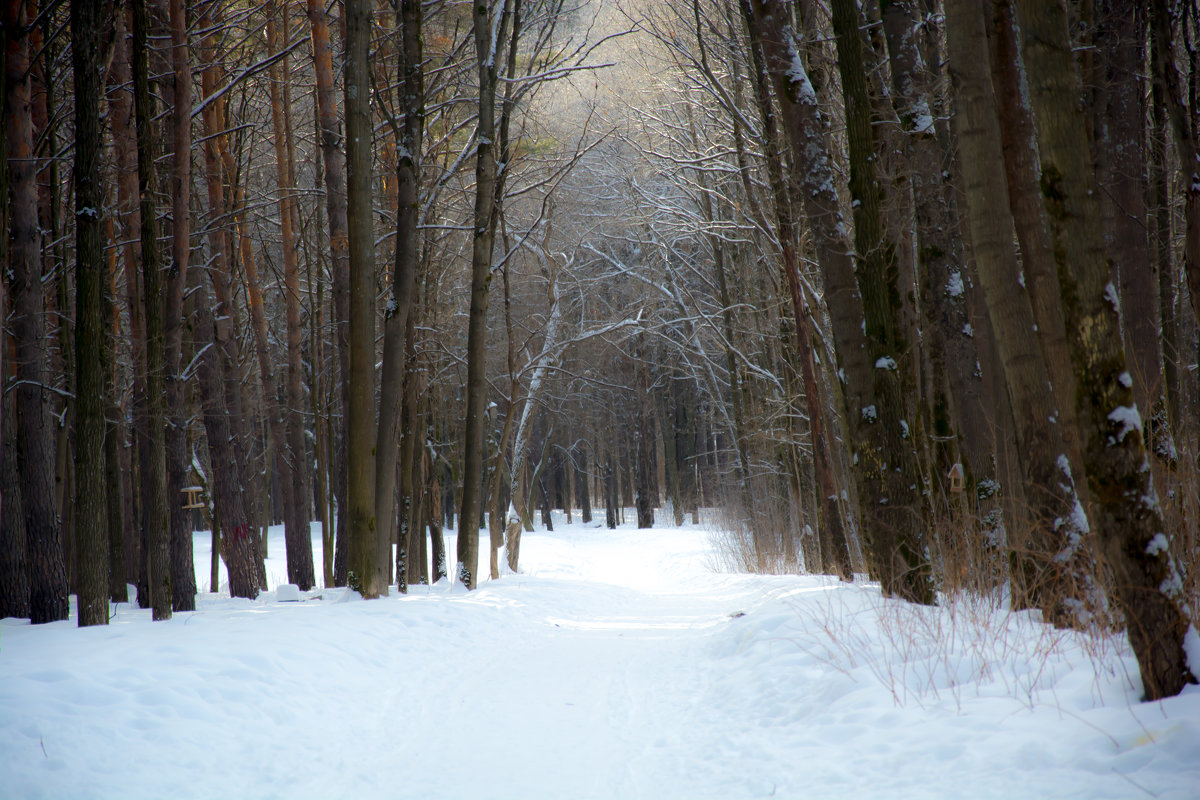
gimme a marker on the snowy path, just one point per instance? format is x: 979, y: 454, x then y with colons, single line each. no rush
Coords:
x: 617, y: 665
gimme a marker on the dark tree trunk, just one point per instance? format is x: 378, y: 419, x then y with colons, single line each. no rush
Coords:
x: 183, y: 569
x: 14, y: 562
x: 832, y: 528
x: 44, y: 551
x: 91, y: 531
x: 483, y: 242
x: 1127, y: 518
x: 610, y: 496
x: 889, y: 467
x: 1119, y: 151
x: 333, y: 161
x: 400, y: 303
x: 1045, y: 538
x: 955, y: 400
x: 583, y: 484
x: 366, y: 573
x: 157, y: 515
x: 238, y: 541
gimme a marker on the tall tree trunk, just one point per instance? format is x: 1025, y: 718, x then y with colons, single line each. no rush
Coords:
x: 400, y: 301
x: 366, y: 572
x: 483, y: 242
x: 125, y: 157
x: 1046, y: 536
x: 183, y: 569
x: 1029, y: 216
x: 220, y: 376
x: 333, y: 161
x: 1177, y: 97
x: 157, y: 514
x: 890, y: 466
x: 643, y: 457
x: 1119, y: 37
x: 44, y: 551
x: 956, y: 401
x: 807, y: 134
x: 238, y: 541
x: 116, y: 478
x: 296, y: 517
x: 832, y: 527
x: 1127, y: 517
x: 1159, y: 201
x: 91, y: 532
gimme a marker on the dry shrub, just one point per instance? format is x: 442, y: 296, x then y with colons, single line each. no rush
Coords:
x: 766, y: 537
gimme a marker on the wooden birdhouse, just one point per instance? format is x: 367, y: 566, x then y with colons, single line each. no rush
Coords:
x: 957, y: 480
x: 192, y: 497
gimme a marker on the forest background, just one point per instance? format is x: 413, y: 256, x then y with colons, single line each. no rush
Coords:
x: 904, y: 289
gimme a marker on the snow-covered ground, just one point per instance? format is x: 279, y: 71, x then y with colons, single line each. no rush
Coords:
x: 617, y: 665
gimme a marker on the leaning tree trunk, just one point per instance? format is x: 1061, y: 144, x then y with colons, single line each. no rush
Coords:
x: 239, y: 541
x: 1127, y: 517
x: 889, y: 467
x: 1045, y: 538
x: 835, y: 553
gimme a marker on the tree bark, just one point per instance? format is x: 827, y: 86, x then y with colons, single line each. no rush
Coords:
x: 400, y: 301
x: 366, y: 573
x: 91, y: 530
x: 183, y: 570
x: 890, y: 466
x: 1119, y: 36
x: 47, y: 570
x: 832, y: 528
x: 1127, y: 517
x: 333, y: 161
x: 220, y: 365
x: 238, y: 541
x: 157, y: 515
x: 1045, y: 538
x: 483, y: 242
x: 956, y: 400
x: 287, y: 425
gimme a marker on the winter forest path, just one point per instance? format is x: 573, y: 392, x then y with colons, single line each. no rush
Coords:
x: 618, y: 664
